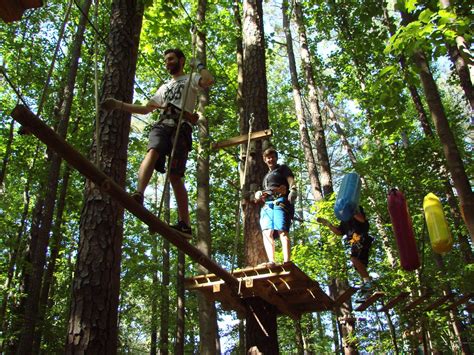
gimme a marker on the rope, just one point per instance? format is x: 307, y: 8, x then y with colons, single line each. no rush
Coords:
x: 223, y: 69
x: 236, y: 240
x: 178, y: 128
x: 13, y: 87
x: 104, y: 41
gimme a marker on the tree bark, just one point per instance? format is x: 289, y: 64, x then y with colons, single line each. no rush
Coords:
x: 466, y: 251
x: 256, y: 110
x: 304, y: 135
x: 462, y: 341
x: 165, y: 282
x: 255, y: 105
x: 54, y: 254
x: 208, y: 332
x: 346, y: 325
x: 180, y: 307
x: 6, y: 157
x: 41, y: 239
x: 65, y: 104
x: 319, y: 135
x: 461, y: 58
x: 94, y: 305
x: 450, y: 149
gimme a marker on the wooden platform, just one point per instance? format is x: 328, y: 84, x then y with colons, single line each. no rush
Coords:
x: 416, y: 302
x: 285, y: 286
x: 461, y: 300
x: 345, y: 296
x: 394, y: 301
x: 12, y: 10
x: 370, y: 301
x: 440, y: 301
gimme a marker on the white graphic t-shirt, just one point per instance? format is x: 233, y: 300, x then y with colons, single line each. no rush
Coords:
x: 174, y: 91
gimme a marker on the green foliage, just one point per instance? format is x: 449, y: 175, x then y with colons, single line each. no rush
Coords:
x: 360, y: 79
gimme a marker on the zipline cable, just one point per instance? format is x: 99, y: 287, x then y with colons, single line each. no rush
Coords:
x: 244, y: 180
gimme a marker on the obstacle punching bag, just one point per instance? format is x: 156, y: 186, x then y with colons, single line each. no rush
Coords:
x: 403, y: 230
x: 438, y: 230
x: 348, y: 197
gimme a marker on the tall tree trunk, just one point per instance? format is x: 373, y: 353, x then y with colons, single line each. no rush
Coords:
x: 65, y: 104
x: 9, y: 324
x: 208, y: 332
x: 94, y: 306
x: 462, y: 340
x: 346, y: 325
x: 319, y: 135
x: 304, y: 135
x: 462, y: 59
x: 466, y: 250
x: 46, y: 218
x: 6, y: 157
x: 299, y: 337
x: 240, y: 60
x: 335, y: 334
x: 56, y: 241
x: 451, y: 151
x: 255, y: 107
x: 165, y: 282
x: 337, y: 286
x: 180, y: 307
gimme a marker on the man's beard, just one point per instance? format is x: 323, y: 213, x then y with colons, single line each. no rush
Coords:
x: 174, y: 69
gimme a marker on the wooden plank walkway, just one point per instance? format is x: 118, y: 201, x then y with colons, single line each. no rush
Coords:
x: 370, y: 301
x: 394, y: 301
x: 74, y: 158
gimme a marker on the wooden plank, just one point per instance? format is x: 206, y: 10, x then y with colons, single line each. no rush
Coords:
x: 463, y: 299
x: 242, y: 139
x: 441, y: 300
x: 36, y: 126
x: 418, y: 301
x: 12, y: 10
x: 370, y: 301
x: 345, y: 296
x: 394, y: 301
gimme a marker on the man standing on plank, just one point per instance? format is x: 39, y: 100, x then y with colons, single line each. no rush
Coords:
x: 169, y: 99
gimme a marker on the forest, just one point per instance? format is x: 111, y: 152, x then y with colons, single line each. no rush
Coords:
x: 381, y: 88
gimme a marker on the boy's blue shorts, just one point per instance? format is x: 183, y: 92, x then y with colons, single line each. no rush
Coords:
x: 274, y: 216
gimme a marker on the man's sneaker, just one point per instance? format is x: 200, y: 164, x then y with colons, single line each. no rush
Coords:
x: 183, y: 228
x: 138, y: 196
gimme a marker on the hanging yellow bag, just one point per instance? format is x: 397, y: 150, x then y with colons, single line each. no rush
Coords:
x: 438, y: 230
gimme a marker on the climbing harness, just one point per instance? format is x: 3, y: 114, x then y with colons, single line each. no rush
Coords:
x: 178, y: 126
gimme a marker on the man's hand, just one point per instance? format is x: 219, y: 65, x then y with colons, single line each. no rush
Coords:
x: 196, y: 63
x: 258, y: 195
x: 111, y: 104
x: 292, y: 195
